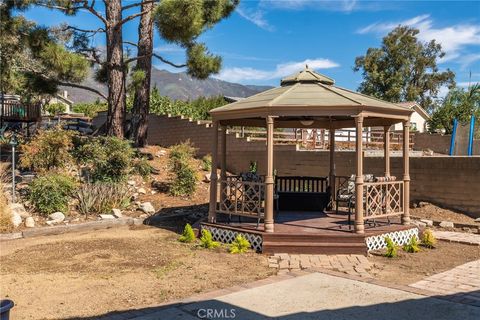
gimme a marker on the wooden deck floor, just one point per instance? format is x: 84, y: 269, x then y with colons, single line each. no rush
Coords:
x: 312, y: 232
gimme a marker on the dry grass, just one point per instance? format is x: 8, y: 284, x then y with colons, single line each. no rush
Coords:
x: 5, y: 216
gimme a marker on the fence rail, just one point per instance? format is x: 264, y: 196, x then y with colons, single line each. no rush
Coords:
x: 13, y: 110
x: 319, y: 138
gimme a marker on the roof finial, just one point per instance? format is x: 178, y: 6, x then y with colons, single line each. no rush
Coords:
x: 306, y: 66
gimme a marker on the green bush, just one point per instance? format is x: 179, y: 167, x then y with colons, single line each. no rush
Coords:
x: 391, y: 248
x: 51, y: 192
x: 239, y: 245
x: 90, y: 109
x: 180, y: 162
x: 206, y: 241
x: 55, y: 108
x: 102, y: 197
x: 188, y: 235
x: 109, y: 158
x: 48, y: 149
x: 142, y: 167
x: 428, y: 239
x: 207, y: 163
x: 412, y: 245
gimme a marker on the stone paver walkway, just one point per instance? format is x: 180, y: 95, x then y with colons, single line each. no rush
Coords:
x: 463, y: 282
x: 461, y: 237
x: 349, y: 264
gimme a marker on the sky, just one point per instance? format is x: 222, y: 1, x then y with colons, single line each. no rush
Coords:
x: 265, y: 40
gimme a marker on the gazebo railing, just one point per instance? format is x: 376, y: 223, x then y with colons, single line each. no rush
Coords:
x: 241, y: 198
x: 383, y: 199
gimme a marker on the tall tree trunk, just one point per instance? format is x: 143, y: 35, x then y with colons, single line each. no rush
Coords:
x: 141, y: 101
x: 115, y: 70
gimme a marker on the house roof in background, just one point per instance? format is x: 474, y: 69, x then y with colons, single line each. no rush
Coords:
x: 415, y: 107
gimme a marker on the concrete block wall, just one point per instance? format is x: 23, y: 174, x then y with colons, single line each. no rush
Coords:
x: 439, y: 143
x: 452, y: 182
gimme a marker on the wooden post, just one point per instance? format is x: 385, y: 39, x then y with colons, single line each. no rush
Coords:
x: 406, y: 173
x: 269, y: 224
x: 386, y: 149
x: 223, y: 161
x: 359, y: 225
x: 212, y: 211
x: 332, y: 173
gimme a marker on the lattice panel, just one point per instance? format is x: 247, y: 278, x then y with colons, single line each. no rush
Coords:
x: 383, y: 199
x: 398, y: 237
x: 239, y: 197
x: 227, y: 236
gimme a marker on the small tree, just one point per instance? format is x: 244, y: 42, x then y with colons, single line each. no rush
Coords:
x: 391, y: 248
x: 239, y: 245
x: 412, y: 245
x: 206, y: 241
x: 428, y: 239
x: 181, y: 157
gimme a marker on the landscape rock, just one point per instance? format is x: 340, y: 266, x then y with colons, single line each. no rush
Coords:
x: 161, y: 153
x: 427, y: 222
x: 117, y: 213
x: 131, y: 182
x: 419, y: 223
x: 20, y: 209
x: 428, y: 152
x: 52, y: 222
x: 16, y: 219
x: 447, y: 224
x: 207, y: 177
x: 422, y: 204
x: 142, y: 191
x: 57, y: 216
x: 477, y: 220
x: 29, y: 222
x: 107, y: 217
x: 147, y: 207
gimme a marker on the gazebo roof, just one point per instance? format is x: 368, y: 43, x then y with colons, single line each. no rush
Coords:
x: 313, y: 95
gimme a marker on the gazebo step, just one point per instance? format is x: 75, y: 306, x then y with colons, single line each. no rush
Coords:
x: 313, y: 238
x: 314, y: 247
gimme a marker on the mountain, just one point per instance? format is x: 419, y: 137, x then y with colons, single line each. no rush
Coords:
x: 178, y: 86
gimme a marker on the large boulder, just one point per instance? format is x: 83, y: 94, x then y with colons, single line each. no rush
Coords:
x: 16, y: 219
x: 20, y: 209
x: 29, y: 222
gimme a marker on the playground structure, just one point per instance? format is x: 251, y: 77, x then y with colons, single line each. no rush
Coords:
x: 461, y: 142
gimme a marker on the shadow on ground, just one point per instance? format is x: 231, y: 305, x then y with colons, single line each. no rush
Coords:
x: 175, y: 218
x: 426, y: 308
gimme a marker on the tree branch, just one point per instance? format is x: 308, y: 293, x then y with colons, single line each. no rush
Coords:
x: 131, y: 17
x: 75, y: 85
x: 84, y: 30
x: 156, y: 56
x: 133, y: 5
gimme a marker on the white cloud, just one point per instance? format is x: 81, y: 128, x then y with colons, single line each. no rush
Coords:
x: 236, y: 74
x: 330, y: 5
x: 467, y: 84
x: 467, y: 59
x: 452, y: 38
x: 256, y: 17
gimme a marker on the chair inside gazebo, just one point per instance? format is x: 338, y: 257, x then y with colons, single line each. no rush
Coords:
x: 276, y: 206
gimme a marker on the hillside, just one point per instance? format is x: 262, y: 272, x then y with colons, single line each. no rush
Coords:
x: 179, y: 86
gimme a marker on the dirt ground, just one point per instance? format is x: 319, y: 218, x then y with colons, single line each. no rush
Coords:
x: 88, y: 274
x: 408, y: 268
x: 432, y: 212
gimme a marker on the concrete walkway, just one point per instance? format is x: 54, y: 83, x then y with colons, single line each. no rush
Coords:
x: 316, y: 296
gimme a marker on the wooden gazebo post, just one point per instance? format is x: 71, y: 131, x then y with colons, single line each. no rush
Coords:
x: 359, y: 225
x: 212, y: 210
x: 223, y: 161
x: 386, y: 149
x: 406, y: 173
x: 269, y: 183
x: 332, y: 172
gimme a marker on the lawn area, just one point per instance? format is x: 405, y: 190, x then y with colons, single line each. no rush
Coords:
x: 88, y: 274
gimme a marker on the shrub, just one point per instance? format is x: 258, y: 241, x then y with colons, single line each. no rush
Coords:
x: 207, y: 163
x: 185, y: 180
x: 188, y: 235
x: 51, y: 192
x: 428, y: 239
x: 391, y: 248
x: 412, y: 245
x: 49, y: 149
x: 54, y: 108
x: 110, y: 158
x: 142, y: 167
x: 102, y: 197
x: 206, y: 241
x: 239, y: 245
x: 90, y: 109
x: 253, y: 167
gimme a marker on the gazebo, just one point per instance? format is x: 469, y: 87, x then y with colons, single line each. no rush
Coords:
x: 307, y: 100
